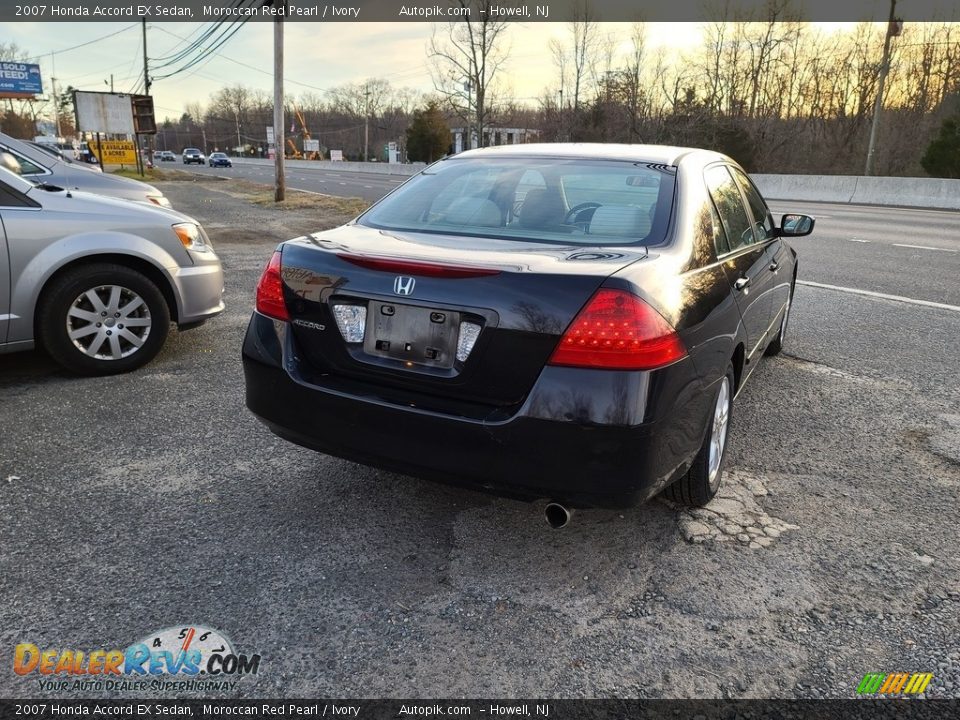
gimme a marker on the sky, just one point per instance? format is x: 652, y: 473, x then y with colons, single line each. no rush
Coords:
x: 318, y: 56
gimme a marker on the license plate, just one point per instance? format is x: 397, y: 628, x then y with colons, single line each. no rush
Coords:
x: 417, y: 335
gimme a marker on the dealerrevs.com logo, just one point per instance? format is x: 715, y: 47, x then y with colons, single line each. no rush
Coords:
x: 184, y: 658
x: 894, y: 683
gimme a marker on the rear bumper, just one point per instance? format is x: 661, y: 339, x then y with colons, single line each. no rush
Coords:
x: 561, y: 444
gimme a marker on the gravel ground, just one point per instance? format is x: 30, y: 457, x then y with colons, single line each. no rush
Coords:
x: 155, y: 499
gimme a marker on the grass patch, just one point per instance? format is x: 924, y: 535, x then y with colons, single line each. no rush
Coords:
x: 153, y: 174
x: 308, y: 201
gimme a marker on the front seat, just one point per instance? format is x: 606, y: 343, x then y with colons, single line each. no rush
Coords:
x: 542, y: 209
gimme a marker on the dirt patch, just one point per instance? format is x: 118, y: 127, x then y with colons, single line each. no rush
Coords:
x: 297, y: 200
x: 241, y: 212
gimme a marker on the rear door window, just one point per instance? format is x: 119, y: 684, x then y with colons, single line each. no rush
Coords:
x: 763, y: 226
x: 726, y: 196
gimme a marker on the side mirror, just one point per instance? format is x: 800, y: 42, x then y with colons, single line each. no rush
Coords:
x: 795, y: 225
x: 10, y: 163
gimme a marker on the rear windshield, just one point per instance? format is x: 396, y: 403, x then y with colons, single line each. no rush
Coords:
x: 567, y: 201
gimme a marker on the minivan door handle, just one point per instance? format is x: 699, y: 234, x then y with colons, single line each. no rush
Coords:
x: 742, y: 283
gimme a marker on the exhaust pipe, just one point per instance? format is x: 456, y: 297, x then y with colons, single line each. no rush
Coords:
x: 557, y: 515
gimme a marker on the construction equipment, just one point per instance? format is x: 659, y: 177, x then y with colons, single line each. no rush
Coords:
x: 305, y: 134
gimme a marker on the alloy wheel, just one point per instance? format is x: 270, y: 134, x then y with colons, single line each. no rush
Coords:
x: 718, y: 433
x: 108, y: 322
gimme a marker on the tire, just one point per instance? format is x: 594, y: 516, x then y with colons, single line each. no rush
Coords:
x: 102, y: 345
x: 700, y: 484
x: 776, y: 345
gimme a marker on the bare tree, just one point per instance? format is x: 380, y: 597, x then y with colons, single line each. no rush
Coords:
x: 583, y: 28
x: 466, y: 59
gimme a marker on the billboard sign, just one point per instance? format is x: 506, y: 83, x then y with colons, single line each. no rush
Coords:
x: 20, y: 79
x: 115, y: 152
x: 104, y: 113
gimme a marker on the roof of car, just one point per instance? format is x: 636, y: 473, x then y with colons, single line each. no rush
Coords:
x: 664, y: 154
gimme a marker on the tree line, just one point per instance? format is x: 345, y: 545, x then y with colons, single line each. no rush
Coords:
x: 775, y: 92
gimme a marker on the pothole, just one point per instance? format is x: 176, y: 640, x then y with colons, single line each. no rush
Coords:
x: 734, y: 515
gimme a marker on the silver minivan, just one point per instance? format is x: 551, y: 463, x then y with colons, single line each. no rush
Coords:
x: 96, y: 281
x: 44, y: 167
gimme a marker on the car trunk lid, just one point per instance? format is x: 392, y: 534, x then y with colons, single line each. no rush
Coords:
x: 447, y: 319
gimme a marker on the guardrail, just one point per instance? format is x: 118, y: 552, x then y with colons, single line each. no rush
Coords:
x: 848, y: 189
x: 890, y: 191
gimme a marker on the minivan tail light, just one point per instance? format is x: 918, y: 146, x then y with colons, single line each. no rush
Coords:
x: 270, y: 300
x: 616, y: 330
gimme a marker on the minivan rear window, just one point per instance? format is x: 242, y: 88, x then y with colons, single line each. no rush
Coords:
x: 570, y: 201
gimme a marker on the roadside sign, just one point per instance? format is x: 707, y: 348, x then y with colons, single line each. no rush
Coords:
x: 270, y: 139
x: 115, y: 152
x: 20, y: 79
x: 336, y: 155
x: 110, y: 113
x: 311, y: 146
x: 144, y: 120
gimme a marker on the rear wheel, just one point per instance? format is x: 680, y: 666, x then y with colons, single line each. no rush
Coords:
x: 702, y: 481
x: 103, y: 319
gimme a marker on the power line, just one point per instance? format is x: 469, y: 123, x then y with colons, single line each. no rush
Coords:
x: 205, y: 53
x: 83, y: 44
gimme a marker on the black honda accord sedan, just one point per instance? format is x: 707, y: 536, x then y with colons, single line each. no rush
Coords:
x: 569, y: 322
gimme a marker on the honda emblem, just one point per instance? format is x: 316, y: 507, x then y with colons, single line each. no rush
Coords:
x: 404, y: 285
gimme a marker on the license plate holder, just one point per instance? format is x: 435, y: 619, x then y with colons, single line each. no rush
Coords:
x: 412, y: 334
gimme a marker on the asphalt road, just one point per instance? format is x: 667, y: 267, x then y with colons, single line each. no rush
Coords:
x: 369, y: 186
x: 155, y: 500
x: 897, y: 251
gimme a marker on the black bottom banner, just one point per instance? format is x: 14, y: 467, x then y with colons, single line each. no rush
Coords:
x: 487, y: 709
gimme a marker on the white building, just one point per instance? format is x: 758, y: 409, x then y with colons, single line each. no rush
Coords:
x: 494, y: 136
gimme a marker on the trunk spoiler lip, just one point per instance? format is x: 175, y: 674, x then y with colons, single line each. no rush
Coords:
x: 414, y: 266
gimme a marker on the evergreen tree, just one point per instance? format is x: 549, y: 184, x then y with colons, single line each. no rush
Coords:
x: 428, y: 137
x: 942, y: 158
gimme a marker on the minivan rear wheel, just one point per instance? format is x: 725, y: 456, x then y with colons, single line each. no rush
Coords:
x: 702, y: 481
x: 102, y: 319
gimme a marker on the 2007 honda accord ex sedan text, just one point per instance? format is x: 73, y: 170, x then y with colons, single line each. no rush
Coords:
x: 569, y: 322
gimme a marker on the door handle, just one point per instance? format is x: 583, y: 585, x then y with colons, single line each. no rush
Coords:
x: 774, y: 266
x: 742, y: 283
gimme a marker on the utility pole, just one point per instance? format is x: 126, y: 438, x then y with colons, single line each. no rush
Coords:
x: 893, y: 28
x: 146, y: 75
x: 56, y: 98
x: 236, y: 119
x: 366, y: 125
x: 280, y: 182
x: 146, y: 88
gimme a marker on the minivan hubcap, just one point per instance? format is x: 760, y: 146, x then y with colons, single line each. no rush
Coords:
x: 718, y: 435
x: 108, y: 322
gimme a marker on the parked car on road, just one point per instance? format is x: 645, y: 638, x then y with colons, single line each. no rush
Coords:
x: 192, y: 155
x: 569, y: 322
x: 40, y: 166
x: 95, y: 281
x: 219, y: 159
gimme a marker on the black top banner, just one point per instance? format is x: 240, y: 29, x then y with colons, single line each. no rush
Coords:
x: 471, y: 10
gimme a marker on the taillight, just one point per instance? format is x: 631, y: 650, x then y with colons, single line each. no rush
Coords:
x: 270, y: 291
x: 617, y: 330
